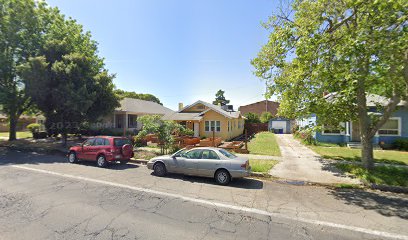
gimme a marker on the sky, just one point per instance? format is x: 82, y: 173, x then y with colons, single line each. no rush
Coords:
x: 178, y: 50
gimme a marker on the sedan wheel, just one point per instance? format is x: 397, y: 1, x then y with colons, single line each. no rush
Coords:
x: 159, y: 169
x: 101, y: 161
x: 72, y: 157
x: 222, y: 177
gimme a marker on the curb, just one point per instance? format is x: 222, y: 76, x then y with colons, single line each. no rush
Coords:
x: 139, y: 161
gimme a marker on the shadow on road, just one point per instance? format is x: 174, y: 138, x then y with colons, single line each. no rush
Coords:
x: 388, y: 204
x: 245, y: 183
x: 8, y: 157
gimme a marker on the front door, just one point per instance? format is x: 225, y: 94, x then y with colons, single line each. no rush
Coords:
x: 355, y: 132
x: 196, y: 129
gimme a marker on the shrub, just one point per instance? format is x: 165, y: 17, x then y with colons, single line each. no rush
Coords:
x: 252, y: 118
x: 306, y: 136
x: 40, y: 135
x: 401, y: 144
x: 33, y: 127
x: 265, y: 117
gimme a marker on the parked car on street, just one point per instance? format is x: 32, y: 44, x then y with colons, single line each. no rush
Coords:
x: 212, y: 162
x: 102, y: 149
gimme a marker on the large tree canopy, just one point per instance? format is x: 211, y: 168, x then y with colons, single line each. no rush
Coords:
x: 22, y: 23
x: 68, y: 81
x: 349, y: 47
x: 141, y: 96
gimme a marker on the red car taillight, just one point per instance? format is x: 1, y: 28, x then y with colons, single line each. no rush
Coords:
x: 245, y: 165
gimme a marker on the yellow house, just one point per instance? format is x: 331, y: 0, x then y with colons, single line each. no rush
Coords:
x: 206, y: 119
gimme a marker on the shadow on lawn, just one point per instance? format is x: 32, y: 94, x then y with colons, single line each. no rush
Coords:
x: 358, y: 159
x: 386, y: 204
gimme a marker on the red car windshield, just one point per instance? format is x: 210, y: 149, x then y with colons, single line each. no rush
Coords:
x: 119, y: 142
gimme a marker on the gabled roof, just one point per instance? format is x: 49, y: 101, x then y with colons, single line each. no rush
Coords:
x: 177, y: 116
x: 143, y: 107
x: 213, y: 107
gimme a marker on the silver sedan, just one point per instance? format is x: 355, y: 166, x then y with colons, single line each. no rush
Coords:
x: 204, y: 161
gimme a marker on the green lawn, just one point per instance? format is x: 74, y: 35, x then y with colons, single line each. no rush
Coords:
x: 19, y: 134
x: 393, y: 176
x: 348, y: 154
x: 261, y: 165
x: 264, y: 143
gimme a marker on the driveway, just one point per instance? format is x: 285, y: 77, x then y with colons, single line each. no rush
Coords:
x: 44, y: 197
x: 300, y: 163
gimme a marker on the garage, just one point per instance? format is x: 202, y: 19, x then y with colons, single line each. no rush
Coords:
x: 279, y: 125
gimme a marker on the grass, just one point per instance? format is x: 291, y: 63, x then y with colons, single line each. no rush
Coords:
x: 331, y: 151
x: 20, y: 135
x: 381, y: 175
x: 264, y: 143
x: 262, y: 165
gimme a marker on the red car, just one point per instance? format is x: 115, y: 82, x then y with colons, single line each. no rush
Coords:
x: 103, y: 150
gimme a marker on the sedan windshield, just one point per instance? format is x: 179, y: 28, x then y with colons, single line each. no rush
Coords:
x: 227, y: 154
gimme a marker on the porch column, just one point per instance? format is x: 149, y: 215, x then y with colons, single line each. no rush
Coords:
x: 114, y: 120
x: 125, y: 126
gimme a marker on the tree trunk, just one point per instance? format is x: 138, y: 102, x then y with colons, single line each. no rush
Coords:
x: 367, y: 156
x: 13, y: 127
x: 64, y: 139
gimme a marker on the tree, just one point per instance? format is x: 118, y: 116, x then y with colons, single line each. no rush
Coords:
x: 68, y: 81
x: 142, y: 96
x: 21, y: 25
x: 265, y: 117
x: 351, y: 48
x: 252, y: 118
x: 220, y: 99
x: 153, y: 124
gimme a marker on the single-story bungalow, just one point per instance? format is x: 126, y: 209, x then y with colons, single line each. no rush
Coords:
x: 206, y: 119
x: 124, y: 118
x: 349, y: 132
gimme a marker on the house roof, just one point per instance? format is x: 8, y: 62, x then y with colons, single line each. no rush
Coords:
x: 143, y: 107
x: 372, y: 100
x: 215, y: 108
x: 197, y: 116
x: 183, y: 116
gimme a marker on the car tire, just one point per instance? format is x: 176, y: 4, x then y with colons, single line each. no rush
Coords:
x: 159, y: 169
x: 101, y: 161
x: 72, y: 158
x: 222, y: 177
x: 124, y: 162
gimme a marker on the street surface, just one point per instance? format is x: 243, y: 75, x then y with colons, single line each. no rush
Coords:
x: 43, y: 197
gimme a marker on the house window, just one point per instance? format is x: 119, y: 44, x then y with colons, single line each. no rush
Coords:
x: 212, y: 126
x: 391, y: 127
x: 329, y: 130
x: 228, y: 125
x: 132, y: 121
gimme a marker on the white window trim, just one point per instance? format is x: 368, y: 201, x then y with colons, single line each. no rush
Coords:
x: 334, y: 134
x: 392, y: 135
x: 210, y: 124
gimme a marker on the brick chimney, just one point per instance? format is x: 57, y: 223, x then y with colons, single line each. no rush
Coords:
x: 181, y: 106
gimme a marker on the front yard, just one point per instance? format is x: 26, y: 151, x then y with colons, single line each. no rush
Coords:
x: 336, y: 152
x: 380, y: 175
x: 262, y: 165
x: 20, y: 135
x: 264, y: 143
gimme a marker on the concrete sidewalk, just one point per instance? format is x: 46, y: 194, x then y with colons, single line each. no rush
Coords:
x: 300, y: 163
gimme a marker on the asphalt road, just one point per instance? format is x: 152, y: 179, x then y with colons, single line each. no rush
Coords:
x: 42, y: 197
